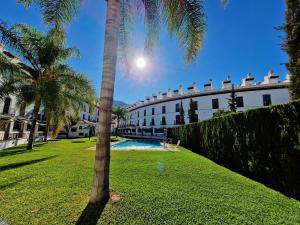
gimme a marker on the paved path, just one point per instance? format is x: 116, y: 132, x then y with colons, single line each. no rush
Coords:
x: 2, y: 222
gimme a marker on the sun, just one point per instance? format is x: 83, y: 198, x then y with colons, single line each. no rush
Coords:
x: 140, y: 63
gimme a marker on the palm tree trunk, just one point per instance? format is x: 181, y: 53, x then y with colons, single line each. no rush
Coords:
x: 100, y: 189
x: 35, y: 112
x: 46, y: 131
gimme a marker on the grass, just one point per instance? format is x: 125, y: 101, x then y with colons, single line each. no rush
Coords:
x: 51, y: 185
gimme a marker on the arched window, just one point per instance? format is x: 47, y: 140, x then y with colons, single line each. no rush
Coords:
x: 6, y: 107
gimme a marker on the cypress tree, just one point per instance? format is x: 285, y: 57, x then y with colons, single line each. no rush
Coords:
x: 232, y: 101
x: 181, y: 113
x: 192, y: 112
x: 292, y: 45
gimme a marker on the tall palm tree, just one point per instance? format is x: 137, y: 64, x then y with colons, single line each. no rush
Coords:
x: 44, y: 53
x: 184, y: 19
x: 119, y: 113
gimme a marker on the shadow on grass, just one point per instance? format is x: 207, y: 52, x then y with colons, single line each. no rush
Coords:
x: 9, y: 152
x: 91, y: 214
x: 26, y: 163
x: 39, y: 144
x: 78, y: 141
x: 12, y: 184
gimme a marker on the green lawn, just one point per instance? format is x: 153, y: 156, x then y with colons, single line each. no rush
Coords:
x: 51, y: 185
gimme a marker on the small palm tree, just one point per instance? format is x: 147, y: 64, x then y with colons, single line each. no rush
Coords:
x: 120, y: 114
x: 45, y: 53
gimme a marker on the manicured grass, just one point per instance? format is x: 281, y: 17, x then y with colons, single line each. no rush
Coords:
x: 51, y: 185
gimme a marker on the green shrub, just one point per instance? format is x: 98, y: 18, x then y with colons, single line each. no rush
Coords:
x: 262, y: 143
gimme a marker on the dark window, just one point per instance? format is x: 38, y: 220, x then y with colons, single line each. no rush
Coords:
x: 138, y: 123
x: 80, y: 127
x: 153, y: 111
x: 177, y: 119
x: 6, y: 105
x: 81, y: 134
x: 196, y: 105
x: 144, y: 124
x: 73, y: 129
x: 83, y: 116
x: 267, y: 100
x: 163, y: 109
x: 177, y: 107
x: 90, y: 110
x: 152, y: 122
x: 239, y: 101
x: 215, y: 103
x: 163, y: 121
x: 145, y: 112
x: 89, y: 118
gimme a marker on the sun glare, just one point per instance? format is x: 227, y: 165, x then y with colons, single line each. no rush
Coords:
x: 140, y: 63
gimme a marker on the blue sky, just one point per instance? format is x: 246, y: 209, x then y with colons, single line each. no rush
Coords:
x: 240, y: 39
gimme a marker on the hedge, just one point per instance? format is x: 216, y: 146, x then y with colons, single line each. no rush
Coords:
x: 263, y: 144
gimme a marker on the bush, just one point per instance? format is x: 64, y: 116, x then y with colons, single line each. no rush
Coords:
x: 263, y: 144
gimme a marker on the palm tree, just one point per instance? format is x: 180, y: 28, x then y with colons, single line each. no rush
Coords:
x: 72, y: 92
x: 44, y: 53
x: 184, y: 19
x: 119, y: 113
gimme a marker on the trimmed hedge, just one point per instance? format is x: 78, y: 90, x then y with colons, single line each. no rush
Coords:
x: 263, y: 144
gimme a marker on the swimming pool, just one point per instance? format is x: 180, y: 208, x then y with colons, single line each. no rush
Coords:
x: 139, y: 144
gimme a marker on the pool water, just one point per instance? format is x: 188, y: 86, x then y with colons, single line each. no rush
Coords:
x: 138, y: 144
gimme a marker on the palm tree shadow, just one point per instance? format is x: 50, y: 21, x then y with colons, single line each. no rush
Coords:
x: 21, y: 164
x: 12, y: 184
x: 91, y: 214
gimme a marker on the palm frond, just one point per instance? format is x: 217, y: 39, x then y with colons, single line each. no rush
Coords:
x: 56, y: 12
x: 186, y: 20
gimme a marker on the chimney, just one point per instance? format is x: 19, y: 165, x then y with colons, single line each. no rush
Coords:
x: 248, y: 81
x: 192, y: 89
x: 227, y: 83
x: 160, y: 96
x: 271, y: 78
x: 208, y: 86
x: 180, y: 90
x: 287, y: 78
x: 169, y: 93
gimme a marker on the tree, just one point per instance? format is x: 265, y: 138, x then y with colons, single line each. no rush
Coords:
x: 192, y: 112
x: 184, y: 19
x: 181, y: 114
x: 62, y: 106
x: 292, y: 45
x: 120, y: 114
x: 232, y: 101
x: 45, y: 53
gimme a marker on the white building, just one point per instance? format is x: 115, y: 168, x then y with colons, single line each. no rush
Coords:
x: 150, y: 116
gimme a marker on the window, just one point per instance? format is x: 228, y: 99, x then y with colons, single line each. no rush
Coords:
x: 80, y: 127
x: 177, y: 107
x: 89, y: 118
x: 163, y: 121
x: 138, y: 123
x: 83, y: 116
x: 145, y: 112
x: 177, y: 119
x: 6, y: 105
x: 153, y: 111
x: 215, y: 103
x: 163, y: 110
x: 267, y: 100
x: 152, y: 122
x: 239, y: 101
x: 196, y: 105
x: 73, y: 129
x: 144, y: 124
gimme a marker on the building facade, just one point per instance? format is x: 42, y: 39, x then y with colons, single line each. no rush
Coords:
x: 150, y: 116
